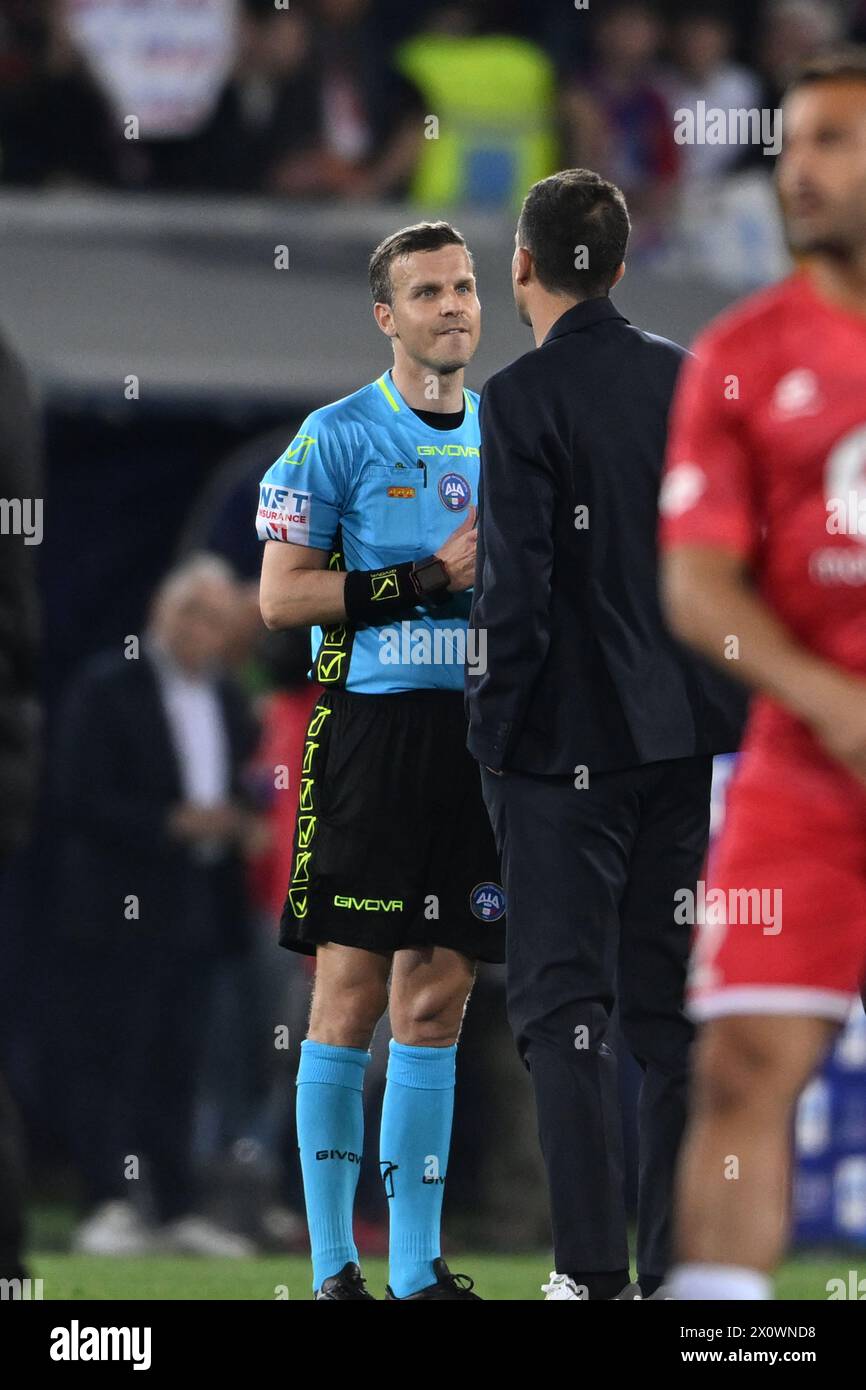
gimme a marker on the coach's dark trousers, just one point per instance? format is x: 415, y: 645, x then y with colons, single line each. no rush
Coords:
x: 590, y: 877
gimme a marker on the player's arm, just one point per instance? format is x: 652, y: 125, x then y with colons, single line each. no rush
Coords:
x: 709, y: 598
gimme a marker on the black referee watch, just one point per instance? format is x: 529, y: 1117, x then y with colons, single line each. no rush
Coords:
x: 430, y: 578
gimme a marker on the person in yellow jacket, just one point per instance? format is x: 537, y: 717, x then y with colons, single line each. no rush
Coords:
x: 491, y: 128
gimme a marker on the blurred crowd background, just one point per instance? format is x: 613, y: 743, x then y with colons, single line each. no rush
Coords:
x: 154, y: 156
x: 328, y: 99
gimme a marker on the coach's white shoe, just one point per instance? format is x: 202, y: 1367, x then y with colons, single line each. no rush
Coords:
x: 114, y: 1228
x: 561, y: 1287
x: 195, y: 1235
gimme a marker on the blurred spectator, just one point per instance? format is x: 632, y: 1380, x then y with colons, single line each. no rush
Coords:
x: 284, y: 714
x: 55, y: 123
x: 160, y: 61
x: 266, y: 131
x: 312, y: 108
x: 250, y: 997
x: 618, y: 119
x: 246, y: 1121
x: 703, y: 71
x: 153, y: 822
x: 371, y: 117
x: 492, y: 96
x: 19, y: 482
x: 792, y: 31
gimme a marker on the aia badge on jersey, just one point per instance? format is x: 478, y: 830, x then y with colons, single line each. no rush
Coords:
x: 487, y: 901
x: 455, y: 492
x: 283, y: 515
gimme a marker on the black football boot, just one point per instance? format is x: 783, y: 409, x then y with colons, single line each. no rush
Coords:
x: 345, y: 1285
x: 447, y: 1285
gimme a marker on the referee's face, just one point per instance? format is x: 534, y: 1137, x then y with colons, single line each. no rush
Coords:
x: 434, y: 315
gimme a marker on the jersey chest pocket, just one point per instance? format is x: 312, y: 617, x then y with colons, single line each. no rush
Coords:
x: 390, y: 506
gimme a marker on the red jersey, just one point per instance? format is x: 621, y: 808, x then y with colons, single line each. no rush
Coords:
x: 767, y: 457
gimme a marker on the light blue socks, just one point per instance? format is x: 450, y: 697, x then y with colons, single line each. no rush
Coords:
x: 330, y: 1122
x: 413, y: 1153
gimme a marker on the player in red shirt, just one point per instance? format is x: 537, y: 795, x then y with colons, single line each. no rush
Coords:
x: 764, y: 539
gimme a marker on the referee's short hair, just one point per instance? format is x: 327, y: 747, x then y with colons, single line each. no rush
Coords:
x: 422, y: 236
x: 576, y: 227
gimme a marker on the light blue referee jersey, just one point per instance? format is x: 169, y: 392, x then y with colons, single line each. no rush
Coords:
x: 366, y: 479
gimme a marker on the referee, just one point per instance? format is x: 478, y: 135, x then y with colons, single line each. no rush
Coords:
x: 369, y: 524
x: 595, y: 730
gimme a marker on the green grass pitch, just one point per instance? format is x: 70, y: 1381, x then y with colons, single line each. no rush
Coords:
x: 517, y: 1278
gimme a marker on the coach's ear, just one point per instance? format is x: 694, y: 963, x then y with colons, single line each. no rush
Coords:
x: 619, y: 274
x: 521, y: 266
x: 384, y: 316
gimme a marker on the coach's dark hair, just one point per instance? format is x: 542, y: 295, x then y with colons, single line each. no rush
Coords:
x: 566, y: 212
x: 846, y: 63
x: 423, y: 236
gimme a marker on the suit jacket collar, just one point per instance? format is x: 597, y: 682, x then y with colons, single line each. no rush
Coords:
x: 584, y: 315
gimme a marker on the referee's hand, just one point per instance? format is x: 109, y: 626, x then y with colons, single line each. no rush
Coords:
x: 458, y: 553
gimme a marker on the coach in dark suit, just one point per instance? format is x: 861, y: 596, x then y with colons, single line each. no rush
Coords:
x: 594, y: 729
x: 151, y: 747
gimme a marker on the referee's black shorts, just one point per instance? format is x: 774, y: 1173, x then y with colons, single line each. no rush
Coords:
x: 393, y: 846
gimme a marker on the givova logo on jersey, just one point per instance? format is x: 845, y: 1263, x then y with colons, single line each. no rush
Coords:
x: 283, y: 514
x: 455, y: 491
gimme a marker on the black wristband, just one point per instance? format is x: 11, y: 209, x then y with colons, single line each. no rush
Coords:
x: 374, y: 597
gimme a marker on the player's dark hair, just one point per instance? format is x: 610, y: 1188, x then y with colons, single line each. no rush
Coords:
x: 423, y: 236
x: 844, y: 64
x: 576, y: 226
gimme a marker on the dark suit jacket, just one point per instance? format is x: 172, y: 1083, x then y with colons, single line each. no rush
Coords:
x: 116, y: 777
x: 19, y: 619
x: 580, y: 669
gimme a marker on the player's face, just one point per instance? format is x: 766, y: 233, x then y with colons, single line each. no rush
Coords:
x: 435, y: 313
x: 822, y: 168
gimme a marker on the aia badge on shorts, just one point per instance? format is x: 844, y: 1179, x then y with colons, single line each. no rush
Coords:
x: 487, y: 901
x: 455, y: 492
